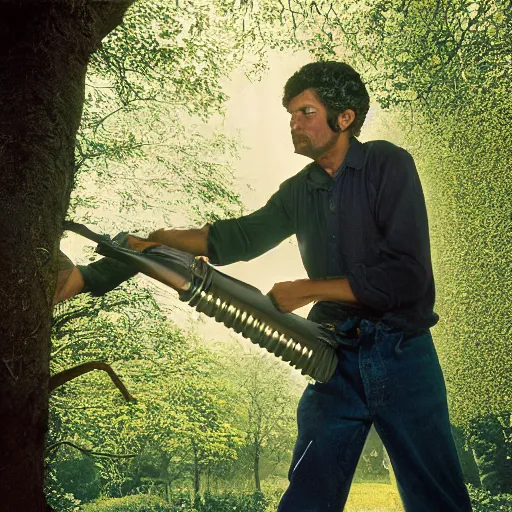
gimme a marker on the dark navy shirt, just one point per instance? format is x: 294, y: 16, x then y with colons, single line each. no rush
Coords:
x: 367, y: 223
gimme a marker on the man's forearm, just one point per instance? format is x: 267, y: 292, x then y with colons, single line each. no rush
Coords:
x: 193, y: 241
x: 290, y: 295
x: 335, y: 290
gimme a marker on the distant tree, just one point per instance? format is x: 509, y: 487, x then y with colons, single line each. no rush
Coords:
x: 265, y: 407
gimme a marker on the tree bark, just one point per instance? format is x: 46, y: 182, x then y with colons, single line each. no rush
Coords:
x: 44, y: 49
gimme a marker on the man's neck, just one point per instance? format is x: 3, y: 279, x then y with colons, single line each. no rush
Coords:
x: 332, y: 159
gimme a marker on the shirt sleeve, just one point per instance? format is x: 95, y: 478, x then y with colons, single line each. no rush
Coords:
x: 249, y: 236
x: 403, y: 271
x: 104, y: 275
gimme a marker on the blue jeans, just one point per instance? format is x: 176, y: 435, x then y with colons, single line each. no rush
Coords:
x: 394, y: 381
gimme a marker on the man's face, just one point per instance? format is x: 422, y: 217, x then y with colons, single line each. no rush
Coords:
x: 311, y: 134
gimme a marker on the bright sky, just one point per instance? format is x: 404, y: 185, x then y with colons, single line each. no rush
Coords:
x: 255, y: 110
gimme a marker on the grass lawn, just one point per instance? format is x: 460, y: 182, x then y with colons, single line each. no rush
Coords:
x: 365, y: 497
x: 370, y: 497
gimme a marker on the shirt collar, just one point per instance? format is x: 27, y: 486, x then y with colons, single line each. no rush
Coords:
x: 318, y: 178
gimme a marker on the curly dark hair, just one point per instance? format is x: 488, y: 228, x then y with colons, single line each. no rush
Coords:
x: 337, y: 85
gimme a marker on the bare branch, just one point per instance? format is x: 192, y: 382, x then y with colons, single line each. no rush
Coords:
x: 290, y: 8
x: 72, y: 373
x: 282, y: 11
x: 444, y: 65
x: 314, y: 4
x: 55, y: 446
x: 125, y: 105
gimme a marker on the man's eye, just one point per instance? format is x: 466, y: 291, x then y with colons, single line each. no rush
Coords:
x: 308, y: 111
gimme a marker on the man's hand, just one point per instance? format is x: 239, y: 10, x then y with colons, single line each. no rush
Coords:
x: 290, y: 295
x: 137, y: 244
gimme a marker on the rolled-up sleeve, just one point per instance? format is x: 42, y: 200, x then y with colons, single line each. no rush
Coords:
x: 403, y: 271
x: 249, y: 236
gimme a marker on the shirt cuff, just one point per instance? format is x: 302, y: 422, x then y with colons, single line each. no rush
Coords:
x: 227, y: 242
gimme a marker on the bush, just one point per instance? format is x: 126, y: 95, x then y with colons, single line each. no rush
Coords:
x: 135, y: 503
x: 484, y: 501
x: 57, y: 497
x: 79, y: 477
x: 62, y: 501
x: 273, y: 489
x: 182, y: 501
x: 233, y: 502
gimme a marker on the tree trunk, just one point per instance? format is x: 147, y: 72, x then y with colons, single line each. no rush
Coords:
x: 166, y: 477
x: 257, y: 467
x: 197, y: 474
x: 44, y: 49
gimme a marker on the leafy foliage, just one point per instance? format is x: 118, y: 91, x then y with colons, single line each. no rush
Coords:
x: 57, y: 498
x: 264, y: 412
x: 134, y: 503
x: 152, y: 78
x: 178, y: 405
x: 79, y: 477
x: 484, y: 501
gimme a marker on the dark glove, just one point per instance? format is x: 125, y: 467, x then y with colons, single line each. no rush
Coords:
x: 106, y: 274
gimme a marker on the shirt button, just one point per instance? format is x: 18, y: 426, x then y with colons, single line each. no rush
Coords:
x: 333, y: 237
x: 332, y: 207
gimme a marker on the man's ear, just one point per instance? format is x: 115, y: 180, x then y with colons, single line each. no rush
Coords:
x: 346, y: 118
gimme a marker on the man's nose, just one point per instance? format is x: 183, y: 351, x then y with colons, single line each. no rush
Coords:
x: 294, y: 124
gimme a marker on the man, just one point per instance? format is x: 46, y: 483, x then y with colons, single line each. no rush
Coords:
x: 359, y: 216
